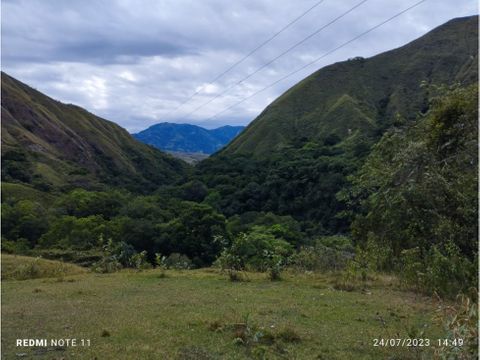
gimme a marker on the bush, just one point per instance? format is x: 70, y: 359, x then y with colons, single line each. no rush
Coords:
x: 27, y: 271
x: 448, y: 272
x: 412, y: 272
x: 442, y: 270
x: 461, y: 324
x: 178, y: 261
x: 19, y: 246
x: 330, y: 253
x: 257, y: 250
x: 274, y: 264
x: 109, y: 262
x: 227, y: 261
x: 106, y: 265
x: 305, y: 259
x: 139, y: 261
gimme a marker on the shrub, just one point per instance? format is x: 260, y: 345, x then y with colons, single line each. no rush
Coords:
x: 160, y: 261
x: 27, y: 271
x: 231, y: 263
x: 289, y: 334
x: 139, y: 261
x: 413, y: 271
x: 19, y: 246
x: 461, y: 325
x: 442, y: 270
x: 106, y: 265
x: 257, y: 251
x: 178, y: 261
x: 330, y: 253
x: 109, y: 261
x: 306, y: 259
x: 274, y: 264
x: 448, y: 272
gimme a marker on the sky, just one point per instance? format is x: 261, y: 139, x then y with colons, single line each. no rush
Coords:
x: 135, y: 62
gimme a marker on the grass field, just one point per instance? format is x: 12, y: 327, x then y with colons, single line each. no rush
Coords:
x: 199, y: 314
x: 16, y: 267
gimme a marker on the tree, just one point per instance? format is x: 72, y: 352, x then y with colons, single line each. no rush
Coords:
x: 24, y: 220
x: 70, y: 232
x: 257, y: 250
x: 192, y: 233
x: 82, y: 203
x: 418, y: 188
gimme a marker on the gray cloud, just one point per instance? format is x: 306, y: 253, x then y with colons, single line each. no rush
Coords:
x: 134, y: 61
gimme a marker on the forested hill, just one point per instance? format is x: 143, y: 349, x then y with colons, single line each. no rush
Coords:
x: 297, y: 155
x: 187, y: 138
x: 360, y: 97
x: 52, y: 145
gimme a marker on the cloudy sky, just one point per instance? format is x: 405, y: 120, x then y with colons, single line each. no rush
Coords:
x: 136, y: 61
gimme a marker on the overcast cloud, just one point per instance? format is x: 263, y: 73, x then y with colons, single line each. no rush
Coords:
x: 135, y: 61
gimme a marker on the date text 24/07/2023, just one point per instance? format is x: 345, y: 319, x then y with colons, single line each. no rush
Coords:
x: 414, y: 342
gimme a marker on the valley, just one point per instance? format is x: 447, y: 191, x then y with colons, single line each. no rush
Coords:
x: 347, y: 211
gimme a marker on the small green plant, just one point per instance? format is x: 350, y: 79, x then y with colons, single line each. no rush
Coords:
x: 289, y: 334
x: 274, y: 264
x: 442, y: 270
x: 178, y: 261
x: 108, y: 263
x: 30, y: 270
x: 460, y: 322
x: 139, y: 261
x: 231, y: 263
x: 160, y: 263
x: 412, y: 273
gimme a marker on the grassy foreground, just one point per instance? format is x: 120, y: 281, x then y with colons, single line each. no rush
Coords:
x: 199, y: 314
x: 16, y: 267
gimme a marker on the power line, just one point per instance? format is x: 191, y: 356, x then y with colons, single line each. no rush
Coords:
x: 258, y: 47
x: 316, y: 32
x: 318, y: 59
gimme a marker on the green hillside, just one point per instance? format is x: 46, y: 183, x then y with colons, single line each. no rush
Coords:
x: 363, y: 96
x: 51, y: 145
x: 299, y: 152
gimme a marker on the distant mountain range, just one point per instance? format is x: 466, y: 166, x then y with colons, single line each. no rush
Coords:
x: 187, y: 138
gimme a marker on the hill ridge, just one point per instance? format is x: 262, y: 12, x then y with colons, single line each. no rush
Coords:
x: 54, y: 145
x: 383, y: 85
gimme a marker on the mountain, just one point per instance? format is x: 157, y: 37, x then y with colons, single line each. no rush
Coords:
x: 49, y: 144
x: 296, y: 157
x: 187, y: 138
x: 360, y: 96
